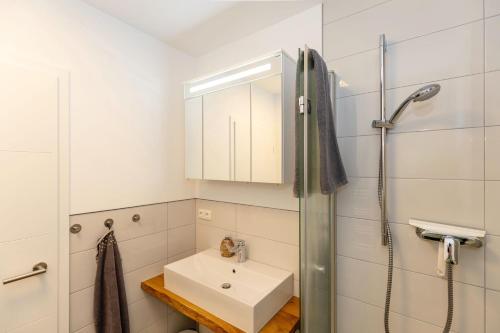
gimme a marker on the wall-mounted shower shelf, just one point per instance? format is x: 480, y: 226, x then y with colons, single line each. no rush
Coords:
x: 437, y: 232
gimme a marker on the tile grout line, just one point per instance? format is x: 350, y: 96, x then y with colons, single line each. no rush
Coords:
x: 484, y: 162
x: 247, y: 205
x: 31, y: 237
x: 248, y: 234
x: 392, y: 311
x: 410, y: 271
x: 131, y: 207
x: 124, y: 275
x: 355, y: 13
x: 125, y: 240
x: 395, y: 222
x: 417, y: 131
x: 182, y: 253
x: 448, y: 78
x: 426, y: 178
x: 406, y: 40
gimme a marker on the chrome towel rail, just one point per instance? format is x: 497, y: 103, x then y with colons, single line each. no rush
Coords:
x: 38, y: 269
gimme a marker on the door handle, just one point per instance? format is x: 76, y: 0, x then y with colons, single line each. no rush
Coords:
x: 38, y: 269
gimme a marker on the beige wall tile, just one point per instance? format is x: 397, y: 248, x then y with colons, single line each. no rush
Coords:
x: 459, y: 104
x: 491, y: 7
x: 181, y: 213
x: 274, y: 224
x: 457, y: 202
x: 351, y: 311
x: 492, y: 98
x: 158, y: 327
x: 360, y: 239
x: 223, y: 214
x: 143, y: 251
x: 360, y: 148
x: 492, y: 46
x: 81, y: 309
x: 492, y: 257
x: 412, y: 294
x: 455, y: 154
x: 133, y: 280
x: 492, y: 153
x: 492, y: 207
x: 492, y: 306
x: 399, y: 20
x: 181, y: 256
x: 277, y: 254
x: 445, y: 54
x: 87, y: 329
x: 153, y: 220
x: 359, y: 199
x: 210, y: 237
x: 356, y: 113
x: 178, y: 322
x: 145, y: 313
x: 181, y: 239
x: 336, y: 9
x: 82, y: 270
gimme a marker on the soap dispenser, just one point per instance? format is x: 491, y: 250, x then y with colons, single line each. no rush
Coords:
x: 226, y: 247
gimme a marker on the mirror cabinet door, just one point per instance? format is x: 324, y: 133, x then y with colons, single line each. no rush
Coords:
x: 193, y: 118
x: 226, y: 134
x: 267, y: 130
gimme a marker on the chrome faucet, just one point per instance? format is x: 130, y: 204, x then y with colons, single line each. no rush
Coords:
x: 240, y: 249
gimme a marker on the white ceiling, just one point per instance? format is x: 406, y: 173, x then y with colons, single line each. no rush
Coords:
x: 200, y: 26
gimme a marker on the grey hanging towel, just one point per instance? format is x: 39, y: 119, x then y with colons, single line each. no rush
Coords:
x: 332, y: 172
x: 110, y: 300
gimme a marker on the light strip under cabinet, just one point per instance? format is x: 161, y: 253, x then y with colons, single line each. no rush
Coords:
x: 232, y: 77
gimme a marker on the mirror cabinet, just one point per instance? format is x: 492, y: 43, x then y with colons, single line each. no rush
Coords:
x: 239, y: 122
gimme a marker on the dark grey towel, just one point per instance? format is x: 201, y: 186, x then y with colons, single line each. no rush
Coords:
x: 110, y: 300
x: 332, y: 172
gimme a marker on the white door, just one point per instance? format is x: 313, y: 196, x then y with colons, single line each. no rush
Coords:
x: 33, y: 198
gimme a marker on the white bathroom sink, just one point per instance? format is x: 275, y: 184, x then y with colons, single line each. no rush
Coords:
x: 257, y: 292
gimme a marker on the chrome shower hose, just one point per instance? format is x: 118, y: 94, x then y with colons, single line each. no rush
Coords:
x: 449, y: 317
x: 390, y: 267
x: 390, y: 247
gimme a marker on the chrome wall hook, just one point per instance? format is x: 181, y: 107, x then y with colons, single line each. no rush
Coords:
x: 109, y: 223
x: 75, y: 228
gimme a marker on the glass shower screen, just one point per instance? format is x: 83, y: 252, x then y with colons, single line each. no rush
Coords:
x: 316, y: 217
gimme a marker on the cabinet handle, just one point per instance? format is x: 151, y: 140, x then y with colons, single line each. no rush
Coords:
x: 234, y: 150
x: 230, y: 151
x: 39, y: 268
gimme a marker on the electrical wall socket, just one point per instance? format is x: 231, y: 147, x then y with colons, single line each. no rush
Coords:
x: 205, y: 214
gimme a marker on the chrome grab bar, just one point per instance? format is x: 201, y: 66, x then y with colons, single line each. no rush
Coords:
x: 38, y: 269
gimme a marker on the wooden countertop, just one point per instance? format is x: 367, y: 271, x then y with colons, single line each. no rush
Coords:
x: 285, y: 321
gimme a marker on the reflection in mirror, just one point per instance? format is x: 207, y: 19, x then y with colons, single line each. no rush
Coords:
x: 266, y: 130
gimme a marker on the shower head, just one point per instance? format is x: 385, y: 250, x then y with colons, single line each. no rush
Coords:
x: 420, y: 95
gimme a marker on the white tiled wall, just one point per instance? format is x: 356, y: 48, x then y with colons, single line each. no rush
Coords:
x: 165, y: 233
x: 443, y: 162
x: 272, y: 235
